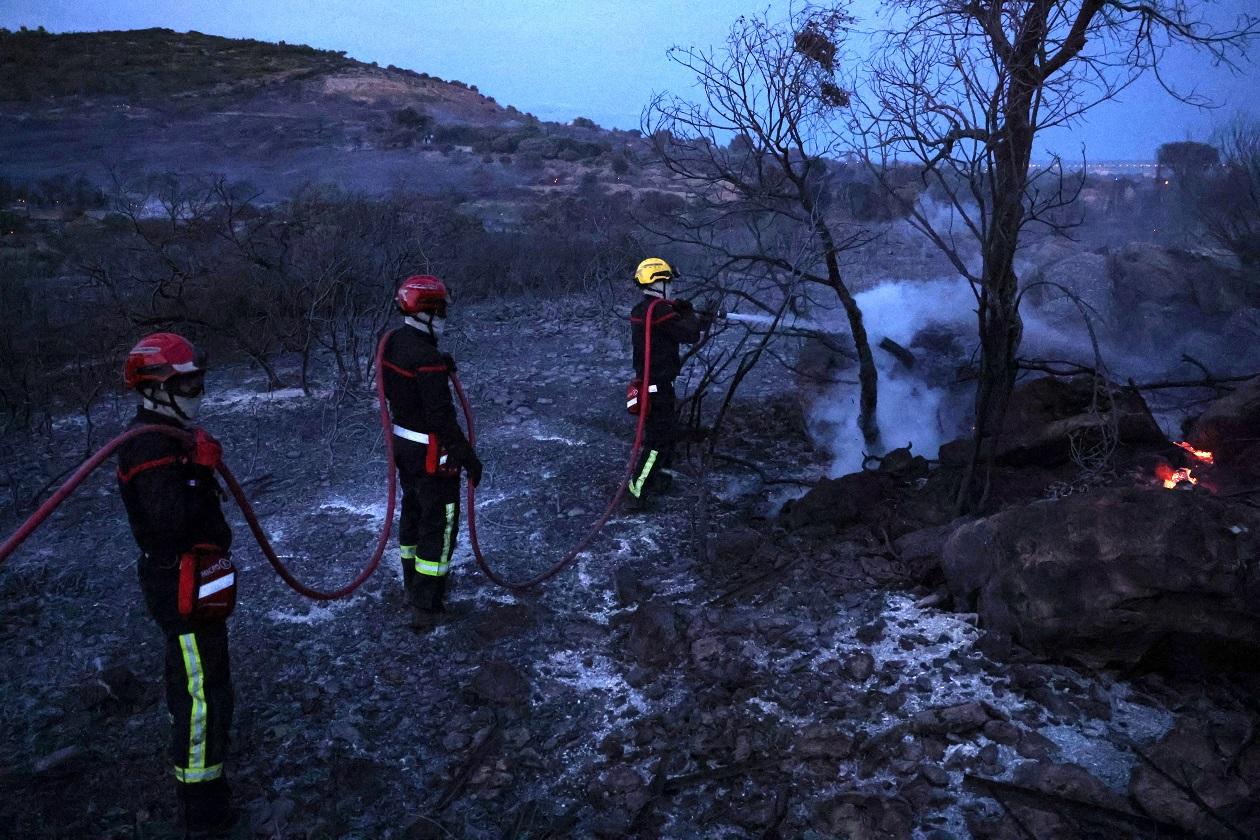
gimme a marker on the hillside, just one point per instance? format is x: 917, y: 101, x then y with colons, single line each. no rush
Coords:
x: 123, y: 105
x: 159, y: 67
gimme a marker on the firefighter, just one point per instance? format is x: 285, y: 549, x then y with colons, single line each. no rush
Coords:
x: 429, y: 446
x: 674, y: 322
x: 172, y: 501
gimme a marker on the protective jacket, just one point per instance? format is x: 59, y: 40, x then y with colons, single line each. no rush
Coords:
x: 670, y: 328
x: 172, y: 505
x: 420, y: 399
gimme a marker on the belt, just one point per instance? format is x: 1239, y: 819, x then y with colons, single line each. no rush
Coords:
x: 418, y: 437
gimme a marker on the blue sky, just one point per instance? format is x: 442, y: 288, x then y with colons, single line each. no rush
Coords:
x: 600, y: 59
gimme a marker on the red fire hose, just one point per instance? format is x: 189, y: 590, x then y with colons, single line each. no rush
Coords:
x: 612, y: 505
x: 234, y: 487
x: 72, y: 483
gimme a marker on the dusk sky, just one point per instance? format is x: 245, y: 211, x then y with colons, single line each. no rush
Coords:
x: 601, y: 59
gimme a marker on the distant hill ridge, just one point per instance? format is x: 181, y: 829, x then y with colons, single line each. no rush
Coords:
x: 149, y: 66
x: 111, y: 105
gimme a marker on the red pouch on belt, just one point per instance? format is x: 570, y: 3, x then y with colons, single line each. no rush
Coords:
x: 207, y: 583
x: 437, y: 461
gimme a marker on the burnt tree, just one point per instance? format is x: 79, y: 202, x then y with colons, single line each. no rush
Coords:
x: 758, y: 156
x: 964, y: 87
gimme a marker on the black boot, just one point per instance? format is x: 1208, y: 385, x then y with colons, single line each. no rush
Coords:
x: 207, y: 808
x: 643, y: 503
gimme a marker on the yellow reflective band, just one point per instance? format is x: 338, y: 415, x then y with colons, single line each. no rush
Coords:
x: 206, y: 774
x: 197, y: 717
x: 636, y: 486
x: 408, y: 552
x: 428, y: 567
x: 448, y: 538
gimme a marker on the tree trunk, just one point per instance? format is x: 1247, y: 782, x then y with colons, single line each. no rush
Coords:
x: 868, y: 377
x: 1001, y: 327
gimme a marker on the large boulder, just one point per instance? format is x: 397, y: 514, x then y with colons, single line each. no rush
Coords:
x: 1162, y: 296
x: 1215, y: 762
x: 1142, y: 273
x: 1114, y: 575
x: 1066, y: 274
x: 1230, y: 426
x: 837, y: 502
x: 1047, y: 415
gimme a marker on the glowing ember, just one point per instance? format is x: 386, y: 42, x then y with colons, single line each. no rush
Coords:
x: 1171, y: 477
x: 1201, y: 454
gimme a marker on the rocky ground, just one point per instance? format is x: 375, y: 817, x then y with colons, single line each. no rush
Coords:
x: 788, y: 681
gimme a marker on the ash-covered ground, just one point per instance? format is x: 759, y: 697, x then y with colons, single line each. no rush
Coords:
x: 773, y: 687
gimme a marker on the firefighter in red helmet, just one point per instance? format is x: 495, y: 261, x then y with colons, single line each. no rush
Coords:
x: 186, y: 575
x: 429, y: 446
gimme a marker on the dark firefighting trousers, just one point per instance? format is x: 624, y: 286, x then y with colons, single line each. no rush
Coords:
x: 659, y: 433
x: 427, y: 530
x: 199, y: 699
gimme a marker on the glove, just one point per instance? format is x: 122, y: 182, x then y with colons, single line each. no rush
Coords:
x: 450, y: 362
x: 207, y: 452
x: 683, y: 307
x: 473, y: 468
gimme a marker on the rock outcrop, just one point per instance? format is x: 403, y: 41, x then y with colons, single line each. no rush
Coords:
x: 1047, y: 415
x: 1115, y: 575
x: 1230, y: 426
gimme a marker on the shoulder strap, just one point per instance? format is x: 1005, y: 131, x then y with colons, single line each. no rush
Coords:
x: 126, y: 475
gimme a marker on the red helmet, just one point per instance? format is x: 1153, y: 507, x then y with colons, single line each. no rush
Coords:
x: 422, y: 293
x: 158, y: 357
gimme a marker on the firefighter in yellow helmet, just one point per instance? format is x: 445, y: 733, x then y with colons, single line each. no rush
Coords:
x: 674, y: 322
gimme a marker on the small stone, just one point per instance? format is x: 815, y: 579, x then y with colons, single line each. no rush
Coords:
x: 638, y: 676
x: 860, y: 666
x: 1002, y: 732
x: 501, y: 683
x: 706, y: 647
x: 622, y: 778
x: 611, y: 746
x: 935, y: 775
x: 1036, y: 746
x: 820, y: 740
x: 455, y: 741
x: 871, y: 633
x: 964, y: 717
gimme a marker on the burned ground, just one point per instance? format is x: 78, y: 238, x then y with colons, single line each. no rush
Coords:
x: 786, y: 683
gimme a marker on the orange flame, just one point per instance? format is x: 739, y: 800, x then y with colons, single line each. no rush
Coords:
x: 1171, y: 478
x: 1201, y: 454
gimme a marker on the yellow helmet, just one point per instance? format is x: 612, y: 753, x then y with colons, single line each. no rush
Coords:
x: 651, y: 270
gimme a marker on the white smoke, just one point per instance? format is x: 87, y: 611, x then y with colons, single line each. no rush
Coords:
x: 909, y: 410
x: 925, y: 415
x: 924, y: 407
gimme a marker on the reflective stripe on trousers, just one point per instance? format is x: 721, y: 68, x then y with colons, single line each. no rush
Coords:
x: 195, y: 770
x: 636, y: 486
x: 439, y: 567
